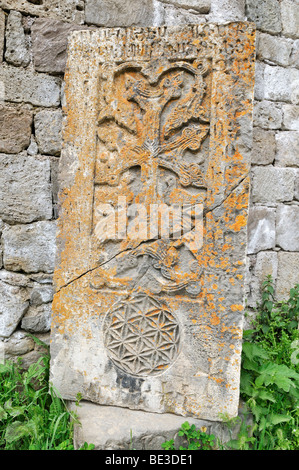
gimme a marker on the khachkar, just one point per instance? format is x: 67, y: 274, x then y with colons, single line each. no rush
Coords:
x: 154, y: 180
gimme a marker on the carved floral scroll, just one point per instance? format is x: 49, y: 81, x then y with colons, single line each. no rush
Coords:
x: 152, y: 231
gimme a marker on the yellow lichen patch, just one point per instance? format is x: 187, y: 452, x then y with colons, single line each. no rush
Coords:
x: 236, y: 308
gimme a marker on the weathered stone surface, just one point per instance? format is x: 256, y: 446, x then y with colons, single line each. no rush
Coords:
x: 202, y: 6
x: 296, y: 191
x: 23, y: 85
x: 28, y: 197
x: 265, y: 14
x: 294, y: 59
x: 287, y: 143
x: 33, y: 148
x: 41, y: 294
x: 49, y: 43
x: 2, y: 33
x: 275, y: 49
x: 169, y: 131
x: 17, y: 44
x: 15, y: 279
x: 261, y: 229
x: 290, y: 117
x: 225, y: 10
x: 109, y: 428
x: 55, y: 184
x: 29, y: 248
x: 15, y: 129
x: 37, y: 319
x: 18, y: 344
x: 287, y: 227
x: 13, y: 304
x: 259, y: 81
x: 170, y: 15
x: 266, y: 263
x: 47, y: 126
x: 290, y: 18
x: 281, y: 84
x: 68, y: 10
x: 111, y: 13
x: 288, y: 274
x: 263, y: 147
x: 267, y: 115
x: 271, y: 185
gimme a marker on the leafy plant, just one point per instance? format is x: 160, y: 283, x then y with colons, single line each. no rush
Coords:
x: 32, y: 415
x: 270, y: 374
x: 269, y: 381
x: 196, y: 439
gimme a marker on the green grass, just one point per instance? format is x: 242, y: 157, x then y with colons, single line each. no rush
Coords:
x: 32, y: 415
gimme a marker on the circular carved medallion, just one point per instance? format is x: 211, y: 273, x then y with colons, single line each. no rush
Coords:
x: 141, y: 335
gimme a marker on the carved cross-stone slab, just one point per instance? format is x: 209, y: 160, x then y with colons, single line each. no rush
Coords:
x: 154, y: 186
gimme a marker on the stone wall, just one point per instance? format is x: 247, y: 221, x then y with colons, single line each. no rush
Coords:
x: 33, y: 41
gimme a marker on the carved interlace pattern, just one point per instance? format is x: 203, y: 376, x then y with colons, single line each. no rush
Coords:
x: 141, y: 336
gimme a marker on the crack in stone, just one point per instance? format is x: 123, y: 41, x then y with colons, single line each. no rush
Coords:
x: 100, y: 265
x: 150, y: 240
x: 230, y: 193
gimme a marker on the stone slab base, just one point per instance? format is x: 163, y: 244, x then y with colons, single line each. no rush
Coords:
x: 115, y: 428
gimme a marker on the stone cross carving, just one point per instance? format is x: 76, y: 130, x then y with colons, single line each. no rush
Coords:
x: 154, y: 183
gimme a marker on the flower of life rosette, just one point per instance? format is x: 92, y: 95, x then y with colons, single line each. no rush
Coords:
x: 141, y: 335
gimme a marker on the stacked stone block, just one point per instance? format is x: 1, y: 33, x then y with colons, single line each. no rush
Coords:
x: 33, y: 45
x: 274, y: 216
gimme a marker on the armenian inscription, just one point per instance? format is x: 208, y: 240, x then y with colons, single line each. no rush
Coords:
x: 154, y: 184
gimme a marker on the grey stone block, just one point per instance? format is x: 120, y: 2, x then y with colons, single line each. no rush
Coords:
x: 17, y: 344
x: 290, y: 18
x: 287, y: 143
x: 296, y: 191
x: 290, y: 117
x: 287, y: 227
x: 15, y: 129
x: 271, y: 185
x: 202, y: 6
x: 69, y: 10
x: 41, y: 294
x: 294, y: 59
x: 37, y: 319
x: 28, y: 195
x: 264, y: 264
x: 49, y: 44
x: 13, y: 304
x: 265, y: 14
x: 261, y: 229
x: 267, y: 115
x: 170, y: 15
x: 275, y: 49
x: 30, y: 248
x: 55, y: 184
x: 47, y: 126
x: 259, y: 81
x: 263, y: 146
x: 17, y: 44
x: 33, y: 148
x: 288, y: 274
x: 111, y: 13
x: 2, y: 33
x: 15, y: 279
x: 225, y: 10
x: 23, y: 85
x: 281, y: 84
x: 114, y: 428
